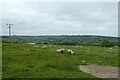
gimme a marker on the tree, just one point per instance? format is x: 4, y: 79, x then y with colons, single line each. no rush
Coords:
x: 106, y: 43
x: 45, y: 42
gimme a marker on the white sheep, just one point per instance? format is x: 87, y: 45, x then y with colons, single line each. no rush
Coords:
x: 32, y: 43
x: 44, y: 47
x: 72, y: 53
x: 69, y: 51
x: 110, y: 49
x: 62, y: 50
x: 58, y: 50
x: 83, y: 61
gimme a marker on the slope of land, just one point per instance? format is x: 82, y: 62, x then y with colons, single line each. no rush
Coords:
x: 22, y: 60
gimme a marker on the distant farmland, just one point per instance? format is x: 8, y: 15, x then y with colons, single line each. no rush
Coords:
x: 85, y: 40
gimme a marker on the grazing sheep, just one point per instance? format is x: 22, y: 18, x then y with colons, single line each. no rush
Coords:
x: 62, y: 50
x: 58, y: 50
x: 70, y: 52
x: 110, y: 49
x: 44, y: 47
x: 83, y: 61
x: 32, y: 43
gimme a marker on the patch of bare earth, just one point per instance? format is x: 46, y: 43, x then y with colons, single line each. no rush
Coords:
x: 100, y: 71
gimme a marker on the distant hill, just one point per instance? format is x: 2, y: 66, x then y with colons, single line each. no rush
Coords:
x: 62, y: 39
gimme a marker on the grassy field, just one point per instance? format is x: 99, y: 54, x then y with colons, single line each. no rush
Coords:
x: 24, y: 61
x: 0, y: 59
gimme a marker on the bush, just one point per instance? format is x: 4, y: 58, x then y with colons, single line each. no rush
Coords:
x: 45, y: 42
x: 107, y: 43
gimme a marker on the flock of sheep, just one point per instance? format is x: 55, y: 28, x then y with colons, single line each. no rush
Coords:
x: 62, y: 50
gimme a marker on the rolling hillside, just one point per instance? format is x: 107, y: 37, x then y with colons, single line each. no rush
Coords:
x: 89, y: 40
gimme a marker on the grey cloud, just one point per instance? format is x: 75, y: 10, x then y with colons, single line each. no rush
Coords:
x: 32, y: 18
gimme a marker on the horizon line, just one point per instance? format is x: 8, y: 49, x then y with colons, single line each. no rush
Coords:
x: 65, y: 35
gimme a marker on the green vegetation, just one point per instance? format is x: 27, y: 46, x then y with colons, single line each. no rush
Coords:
x: 0, y: 59
x: 85, y: 40
x: 22, y: 60
x: 107, y: 43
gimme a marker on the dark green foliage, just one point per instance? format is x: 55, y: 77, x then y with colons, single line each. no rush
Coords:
x: 68, y: 43
x: 45, y: 42
x: 62, y: 40
x: 107, y: 43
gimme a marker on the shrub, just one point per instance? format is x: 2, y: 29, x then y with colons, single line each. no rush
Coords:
x: 106, y: 43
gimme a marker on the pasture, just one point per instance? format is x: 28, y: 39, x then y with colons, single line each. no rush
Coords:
x: 25, y: 61
x: 0, y: 59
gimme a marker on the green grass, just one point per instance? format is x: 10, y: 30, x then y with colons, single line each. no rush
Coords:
x: 24, y: 61
x: 0, y: 59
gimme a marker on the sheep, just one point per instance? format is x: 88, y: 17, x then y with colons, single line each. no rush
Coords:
x: 62, y: 50
x: 44, y: 47
x: 110, y: 49
x: 32, y: 43
x: 58, y: 50
x: 83, y: 61
x: 70, y: 51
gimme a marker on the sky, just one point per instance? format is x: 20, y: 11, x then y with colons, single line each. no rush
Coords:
x: 60, y: 18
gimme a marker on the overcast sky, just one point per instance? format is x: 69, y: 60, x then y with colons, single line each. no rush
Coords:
x: 62, y: 18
